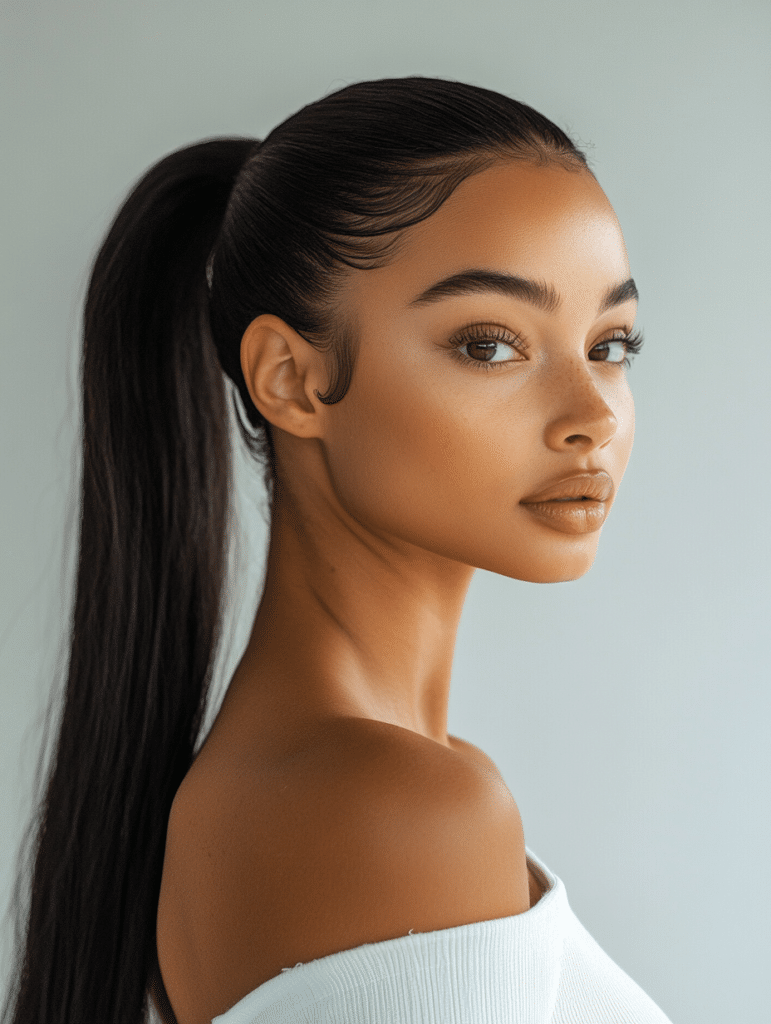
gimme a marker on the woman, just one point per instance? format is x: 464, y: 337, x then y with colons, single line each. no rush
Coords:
x: 424, y: 300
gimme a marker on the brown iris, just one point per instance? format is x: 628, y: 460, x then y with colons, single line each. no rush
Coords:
x: 484, y: 348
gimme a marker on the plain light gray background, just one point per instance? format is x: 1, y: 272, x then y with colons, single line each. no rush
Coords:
x: 629, y: 710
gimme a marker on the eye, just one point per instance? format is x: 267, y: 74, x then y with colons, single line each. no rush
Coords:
x: 485, y: 351
x: 486, y: 346
x: 622, y: 346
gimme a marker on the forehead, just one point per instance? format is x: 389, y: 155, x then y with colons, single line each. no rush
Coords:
x: 541, y: 222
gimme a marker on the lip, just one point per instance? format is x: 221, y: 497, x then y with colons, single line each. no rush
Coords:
x: 594, y: 484
x: 590, y: 491
x: 570, y: 516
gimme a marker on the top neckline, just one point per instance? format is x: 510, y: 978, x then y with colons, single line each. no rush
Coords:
x: 545, y: 878
x: 536, y: 922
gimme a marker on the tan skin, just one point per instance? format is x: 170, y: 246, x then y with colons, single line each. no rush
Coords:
x: 385, y: 504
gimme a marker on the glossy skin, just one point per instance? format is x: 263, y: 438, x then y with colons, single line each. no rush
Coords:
x: 386, y: 503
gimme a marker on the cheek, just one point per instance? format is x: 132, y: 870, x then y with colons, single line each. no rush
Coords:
x: 410, y: 459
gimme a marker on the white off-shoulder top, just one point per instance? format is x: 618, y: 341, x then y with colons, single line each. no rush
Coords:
x: 538, y: 967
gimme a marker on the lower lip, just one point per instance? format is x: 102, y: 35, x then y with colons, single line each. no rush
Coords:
x: 570, y: 516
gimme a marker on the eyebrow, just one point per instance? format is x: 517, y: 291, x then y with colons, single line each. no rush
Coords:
x: 542, y: 296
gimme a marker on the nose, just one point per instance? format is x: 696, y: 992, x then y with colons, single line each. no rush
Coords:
x: 583, y: 419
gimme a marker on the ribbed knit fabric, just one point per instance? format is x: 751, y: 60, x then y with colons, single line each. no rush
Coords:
x: 539, y: 967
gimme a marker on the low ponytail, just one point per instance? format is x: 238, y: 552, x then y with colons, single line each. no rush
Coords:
x: 152, y: 557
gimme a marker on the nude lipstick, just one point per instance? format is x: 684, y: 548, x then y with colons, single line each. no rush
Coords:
x: 573, y: 504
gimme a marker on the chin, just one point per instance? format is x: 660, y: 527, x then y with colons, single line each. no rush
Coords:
x: 546, y: 577
x: 550, y: 567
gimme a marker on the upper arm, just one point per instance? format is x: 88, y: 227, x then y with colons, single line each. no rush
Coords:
x: 369, y: 841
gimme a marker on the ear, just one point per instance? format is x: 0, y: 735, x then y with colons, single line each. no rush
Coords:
x: 282, y: 370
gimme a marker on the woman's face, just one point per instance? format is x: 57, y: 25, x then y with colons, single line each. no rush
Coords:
x: 466, y: 402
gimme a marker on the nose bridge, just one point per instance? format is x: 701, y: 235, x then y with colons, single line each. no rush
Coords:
x: 579, y: 405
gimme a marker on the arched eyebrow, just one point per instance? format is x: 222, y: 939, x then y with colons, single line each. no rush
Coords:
x: 540, y: 295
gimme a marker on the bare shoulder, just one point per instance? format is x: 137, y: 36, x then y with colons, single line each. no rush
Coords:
x: 483, y: 761
x: 367, y: 833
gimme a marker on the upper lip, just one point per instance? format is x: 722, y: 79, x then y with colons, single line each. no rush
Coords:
x: 595, y: 484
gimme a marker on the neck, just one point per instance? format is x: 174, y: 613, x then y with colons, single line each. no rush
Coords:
x: 352, y: 624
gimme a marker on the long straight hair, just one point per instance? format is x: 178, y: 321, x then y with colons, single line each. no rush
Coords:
x: 213, y: 235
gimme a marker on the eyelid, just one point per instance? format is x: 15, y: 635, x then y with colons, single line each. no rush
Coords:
x: 480, y: 329
x: 489, y: 331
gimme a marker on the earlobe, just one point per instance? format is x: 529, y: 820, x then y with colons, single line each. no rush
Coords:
x: 283, y: 372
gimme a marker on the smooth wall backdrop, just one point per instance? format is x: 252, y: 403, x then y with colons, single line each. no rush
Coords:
x: 628, y: 711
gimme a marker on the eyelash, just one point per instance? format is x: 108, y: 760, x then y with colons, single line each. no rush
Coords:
x: 478, y: 332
